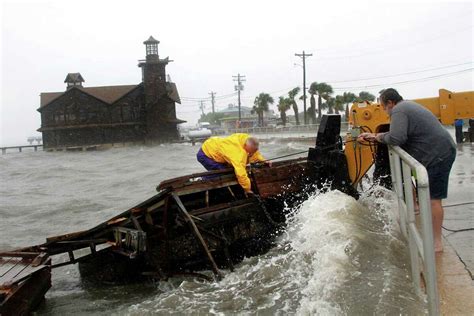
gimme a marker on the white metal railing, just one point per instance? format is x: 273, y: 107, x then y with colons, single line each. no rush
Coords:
x: 421, y: 244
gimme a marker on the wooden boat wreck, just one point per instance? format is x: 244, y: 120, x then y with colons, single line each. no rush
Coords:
x: 200, y: 221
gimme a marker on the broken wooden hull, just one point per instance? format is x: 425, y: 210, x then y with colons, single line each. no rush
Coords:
x: 200, y: 221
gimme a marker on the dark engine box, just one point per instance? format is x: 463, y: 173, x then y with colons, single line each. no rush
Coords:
x: 327, y: 161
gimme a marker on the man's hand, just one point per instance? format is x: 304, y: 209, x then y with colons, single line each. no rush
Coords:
x: 268, y: 163
x: 379, y: 137
x: 367, y: 137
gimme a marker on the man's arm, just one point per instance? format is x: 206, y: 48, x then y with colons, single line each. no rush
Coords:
x: 398, y: 133
x: 256, y: 157
x: 242, y: 177
x: 238, y: 162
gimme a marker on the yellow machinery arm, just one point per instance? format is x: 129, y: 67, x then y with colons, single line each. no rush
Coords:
x: 371, y: 117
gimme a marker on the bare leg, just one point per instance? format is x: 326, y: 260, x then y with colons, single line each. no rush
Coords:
x: 437, y: 218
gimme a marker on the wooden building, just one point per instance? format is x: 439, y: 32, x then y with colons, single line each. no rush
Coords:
x: 89, y: 116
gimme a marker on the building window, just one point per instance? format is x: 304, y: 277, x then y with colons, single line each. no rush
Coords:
x: 83, y: 117
x: 152, y: 49
x: 59, y: 118
x: 93, y: 117
x: 126, y: 113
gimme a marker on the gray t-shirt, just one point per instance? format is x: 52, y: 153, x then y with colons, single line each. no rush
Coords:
x: 419, y: 133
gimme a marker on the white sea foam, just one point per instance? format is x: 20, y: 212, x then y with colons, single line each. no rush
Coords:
x: 337, y: 257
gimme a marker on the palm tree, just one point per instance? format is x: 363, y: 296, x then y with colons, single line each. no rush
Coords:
x: 349, y: 97
x: 324, y: 91
x: 312, y: 109
x: 261, y: 105
x: 365, y: 96
x: 291, y: 95
x: 338, y: 103
x: 284, y: 104
x: 330, y: 103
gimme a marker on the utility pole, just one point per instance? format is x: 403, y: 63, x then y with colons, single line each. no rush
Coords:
x: 239, y: 87
x: 303, y: 56
x: 201, y: 107
x: 213, y: 100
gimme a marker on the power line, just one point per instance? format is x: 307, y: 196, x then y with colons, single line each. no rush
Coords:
x: 401, y: 74
x: 392, y: 48
x: 191, y: 100
x: 406, y: 81
x: 383, y: 84
x: 370, y: 41
x: 225, y: 96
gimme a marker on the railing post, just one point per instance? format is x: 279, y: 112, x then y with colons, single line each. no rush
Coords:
x: 429, y: 255
x: 399, y: 191
x: 410, y: 217
x: 420, y: 243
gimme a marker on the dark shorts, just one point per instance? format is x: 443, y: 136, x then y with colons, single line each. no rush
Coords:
x: 438, y: 175
x: 208, y: 163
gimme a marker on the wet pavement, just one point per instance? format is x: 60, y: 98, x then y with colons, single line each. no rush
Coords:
x: 456, y: 217
x: 455, y: 266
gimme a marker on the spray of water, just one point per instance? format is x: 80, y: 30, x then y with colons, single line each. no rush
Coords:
x: 338, y: 256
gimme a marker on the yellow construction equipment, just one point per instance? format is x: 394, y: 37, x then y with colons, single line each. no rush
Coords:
x: 371, y: 117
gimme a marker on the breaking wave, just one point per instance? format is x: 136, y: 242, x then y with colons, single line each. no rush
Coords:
x: 338, y: 256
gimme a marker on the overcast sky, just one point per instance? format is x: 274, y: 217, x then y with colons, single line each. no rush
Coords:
x: 414, y: 47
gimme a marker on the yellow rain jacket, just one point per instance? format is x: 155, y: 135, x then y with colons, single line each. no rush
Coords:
x: 231, y: 150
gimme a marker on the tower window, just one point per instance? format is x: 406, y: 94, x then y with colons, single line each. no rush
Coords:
x: 152, y: 49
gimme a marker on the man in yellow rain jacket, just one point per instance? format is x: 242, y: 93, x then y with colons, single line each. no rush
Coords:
x: 236, y: 150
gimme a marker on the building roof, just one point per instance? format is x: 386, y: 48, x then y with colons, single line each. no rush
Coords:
x: 108, y: 94
x: 172, y: 91
x: 74, y: 77
x: 151, y: 40
x: 235, y: 109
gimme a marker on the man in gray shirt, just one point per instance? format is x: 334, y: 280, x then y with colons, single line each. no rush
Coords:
x: 419, y: 133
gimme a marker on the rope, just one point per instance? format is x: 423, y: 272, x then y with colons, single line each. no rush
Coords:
x: 265, y: 211
x: 294, y: 154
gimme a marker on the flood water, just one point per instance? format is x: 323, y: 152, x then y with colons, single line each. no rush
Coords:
x: 338, y: 256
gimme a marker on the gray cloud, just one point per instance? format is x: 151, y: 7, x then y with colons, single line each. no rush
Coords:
x: 210, y: 41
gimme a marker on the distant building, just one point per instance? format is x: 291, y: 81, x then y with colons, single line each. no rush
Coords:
x: 82, y: 116
x: 233, y: 111
x: 248, y: 119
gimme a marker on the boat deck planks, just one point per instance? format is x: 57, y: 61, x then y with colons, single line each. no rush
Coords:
x: 24, y: 279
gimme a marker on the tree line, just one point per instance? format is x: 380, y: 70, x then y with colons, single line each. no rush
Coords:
x: 326, y: 101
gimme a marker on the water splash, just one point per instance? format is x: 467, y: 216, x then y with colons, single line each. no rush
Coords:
x: 337, y: 257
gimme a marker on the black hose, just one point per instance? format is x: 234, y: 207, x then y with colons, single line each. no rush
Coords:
x: 458, y: 204
x: 458, y: 230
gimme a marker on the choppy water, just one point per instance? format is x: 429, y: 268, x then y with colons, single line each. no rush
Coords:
x: 338, y: 256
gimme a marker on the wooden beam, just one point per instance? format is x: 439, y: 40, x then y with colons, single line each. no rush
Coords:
x: 198, y: 235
